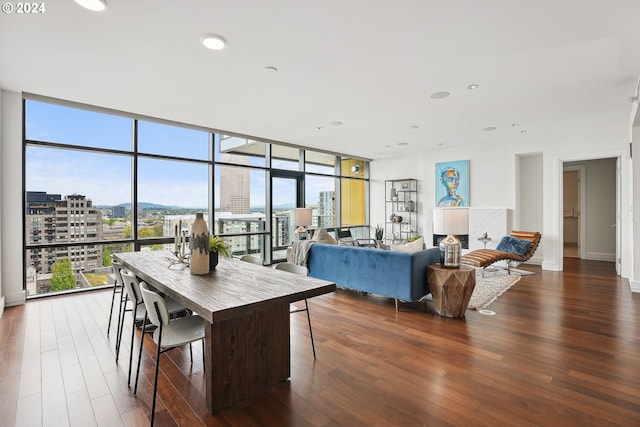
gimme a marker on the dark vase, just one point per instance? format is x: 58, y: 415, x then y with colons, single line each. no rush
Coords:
x: 213, y: 260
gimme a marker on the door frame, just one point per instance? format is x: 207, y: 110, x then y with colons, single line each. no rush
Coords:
x: 300, y: 198
x: 582, y: 218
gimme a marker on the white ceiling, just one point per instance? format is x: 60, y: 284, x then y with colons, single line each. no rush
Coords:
x: 548, y: 65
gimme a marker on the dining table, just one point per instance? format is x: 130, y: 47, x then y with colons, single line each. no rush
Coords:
x: 246, y: 312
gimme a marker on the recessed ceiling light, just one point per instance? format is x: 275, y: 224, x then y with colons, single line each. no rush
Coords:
x: 415, y: 127
x: 214, y: 42
x: 271, y: 69
x: 336, y: 123
x: 403, y: 143
x: 440, y: 95
x: 95, y: 5
x: 515, y: 125
x: 441, y: 144
x: 523, y: 131
x: 319, y: 127
x: 472, y: 86
x: 490, y: 128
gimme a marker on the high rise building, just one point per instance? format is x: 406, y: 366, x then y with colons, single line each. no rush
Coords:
x: 234, y: 185
x: 326, y: 209
x: 118, y: 212
x: 49, y: 219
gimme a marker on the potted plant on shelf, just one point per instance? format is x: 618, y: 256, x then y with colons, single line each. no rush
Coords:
x: 217, y: 247
x: 379, y: 233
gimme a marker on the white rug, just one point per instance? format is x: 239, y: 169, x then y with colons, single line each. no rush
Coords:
x: 488, y: 288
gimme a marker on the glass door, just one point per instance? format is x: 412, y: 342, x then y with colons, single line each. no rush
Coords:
x: 287, y: 193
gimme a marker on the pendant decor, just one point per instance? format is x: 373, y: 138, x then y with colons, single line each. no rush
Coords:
x: 199, y: 244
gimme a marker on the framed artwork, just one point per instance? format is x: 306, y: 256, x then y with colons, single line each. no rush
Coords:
x: 452, y: 183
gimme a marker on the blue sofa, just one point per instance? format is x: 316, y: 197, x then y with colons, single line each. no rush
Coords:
x: 399, y: 275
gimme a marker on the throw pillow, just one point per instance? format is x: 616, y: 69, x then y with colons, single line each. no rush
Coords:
x: 519, y: 247
x: 321, y: 235
x: 416, y: 245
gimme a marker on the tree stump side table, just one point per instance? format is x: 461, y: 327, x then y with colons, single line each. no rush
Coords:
x: 451, y: 288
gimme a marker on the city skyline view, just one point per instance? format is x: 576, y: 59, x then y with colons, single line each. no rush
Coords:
x: 162, y: 182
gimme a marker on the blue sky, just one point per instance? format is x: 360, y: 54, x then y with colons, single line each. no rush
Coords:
x: 106, y: 178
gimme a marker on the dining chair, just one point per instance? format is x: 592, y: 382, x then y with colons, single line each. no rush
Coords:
x: 251, y: 259
x: 169, y: 333
x: 118, y: 288
x: 139, y: 313
x: 303, y: 271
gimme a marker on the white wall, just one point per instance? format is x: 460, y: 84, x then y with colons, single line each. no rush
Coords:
x: 635, y: 219
x: 528, y: 214
x: 494, y: 178
x: 11, y: 194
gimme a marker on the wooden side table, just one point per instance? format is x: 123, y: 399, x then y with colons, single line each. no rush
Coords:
x: 451, y: 288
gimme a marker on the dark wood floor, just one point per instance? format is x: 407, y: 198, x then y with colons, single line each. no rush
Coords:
x: 562, y: 350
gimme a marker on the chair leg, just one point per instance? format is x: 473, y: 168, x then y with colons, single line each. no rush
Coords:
x: 120, y: 327
x: 155, y: 381
x: 313, y: 346
x: 144, y: 327
x: 191, y: 353
x: 133, y: 334
x: 113, y: 300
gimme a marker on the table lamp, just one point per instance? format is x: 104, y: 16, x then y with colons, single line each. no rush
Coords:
x: 451, y: 222
x: 301, y: 217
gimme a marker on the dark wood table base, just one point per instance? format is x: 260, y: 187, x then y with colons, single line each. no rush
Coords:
x: 246, y: 355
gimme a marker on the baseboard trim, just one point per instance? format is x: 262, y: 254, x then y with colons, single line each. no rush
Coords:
x: 600, y: 256
x: 18, y: 298
x: 1, y: 306
x: 635, y: 286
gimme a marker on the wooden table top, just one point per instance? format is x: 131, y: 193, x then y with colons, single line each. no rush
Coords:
x: 233, y: 289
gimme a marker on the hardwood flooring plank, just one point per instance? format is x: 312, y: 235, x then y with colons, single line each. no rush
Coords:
x: 106, y: 412
x: 29, y: 412
x: 9, y: 398
x: 93, y: 377
x: 80, y: 409
x: 54, y: 404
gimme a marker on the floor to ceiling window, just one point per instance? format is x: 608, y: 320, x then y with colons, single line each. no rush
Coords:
x: 98, y: 181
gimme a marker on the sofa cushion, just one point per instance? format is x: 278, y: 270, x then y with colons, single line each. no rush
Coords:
x: 416, y: 245
x: 519, y: 247
x: 321, y: 235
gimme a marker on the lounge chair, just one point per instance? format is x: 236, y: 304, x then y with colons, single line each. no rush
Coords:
x: 486, y: 257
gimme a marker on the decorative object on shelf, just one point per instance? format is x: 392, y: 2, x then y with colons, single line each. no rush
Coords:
x: 393, y: 195
x: 397, y: 219
x: 301, y: 218
x: 217, y: 248
x: 452, y: 222
x: 452, y: 183
x: 199, y: 244
x: 413, y: 238
x: 410, y: 206
x: 379, y: 232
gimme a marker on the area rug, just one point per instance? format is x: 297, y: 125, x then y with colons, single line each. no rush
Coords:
x: 488, y: 288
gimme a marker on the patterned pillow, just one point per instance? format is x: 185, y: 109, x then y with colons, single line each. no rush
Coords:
x: 519, y: 247
x: 416, y: 245
x: 321, y: 235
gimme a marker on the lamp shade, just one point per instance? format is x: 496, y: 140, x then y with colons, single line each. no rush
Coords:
x: 451, y: 221
x: 301, y: 216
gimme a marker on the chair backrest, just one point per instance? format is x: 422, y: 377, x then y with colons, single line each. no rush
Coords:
x: 131, y: 285
x: 251, y: 259
x: 342, y: 233
x: 151, y: 301
x: 117, y: 267
x: 292, y: 268
x: 532, y: 236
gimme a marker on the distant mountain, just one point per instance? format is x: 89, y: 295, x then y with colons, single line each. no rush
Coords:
x: 147, y: 205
